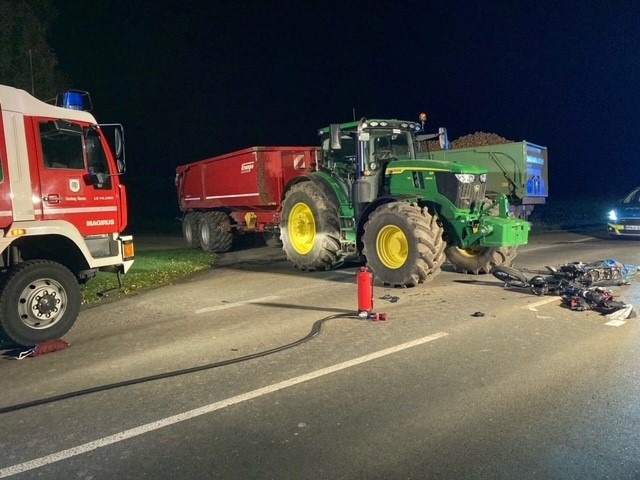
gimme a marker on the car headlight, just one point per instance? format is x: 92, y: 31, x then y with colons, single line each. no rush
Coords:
x: 613, y: 216
x: 465, y: 177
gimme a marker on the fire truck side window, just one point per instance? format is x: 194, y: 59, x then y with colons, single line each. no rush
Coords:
x: 61, y: 148
x: 97, y: 160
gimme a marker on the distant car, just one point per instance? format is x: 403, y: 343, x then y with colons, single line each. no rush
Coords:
x: 624, y: 218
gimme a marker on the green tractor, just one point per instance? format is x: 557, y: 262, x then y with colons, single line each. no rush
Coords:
x: 372, y: 196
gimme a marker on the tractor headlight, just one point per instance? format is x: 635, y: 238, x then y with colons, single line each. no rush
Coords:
x: 613, y: 216
x: 465, y: 177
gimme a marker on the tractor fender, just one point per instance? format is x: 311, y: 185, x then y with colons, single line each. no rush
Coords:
x: 329, y: 188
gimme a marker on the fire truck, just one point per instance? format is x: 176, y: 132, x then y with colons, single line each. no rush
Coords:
x: 63, y: 209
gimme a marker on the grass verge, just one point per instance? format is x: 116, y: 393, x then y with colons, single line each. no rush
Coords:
x: 151, y: 268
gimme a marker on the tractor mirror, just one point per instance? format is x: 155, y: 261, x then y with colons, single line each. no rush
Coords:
x: 334, y: 131
x: 444, y: 139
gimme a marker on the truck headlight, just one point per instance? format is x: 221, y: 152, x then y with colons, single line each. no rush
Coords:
x: 465, y: 177
x: 613, y: 216
x: 483, y: 178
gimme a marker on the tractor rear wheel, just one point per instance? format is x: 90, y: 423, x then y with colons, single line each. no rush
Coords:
x: 310, y: 228
x: 403, y: 244
x: 215, y: 232
x: 479, y: 260
x: 190, y: 229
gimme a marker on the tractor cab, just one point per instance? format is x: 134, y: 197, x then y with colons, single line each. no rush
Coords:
x: 359, y: 153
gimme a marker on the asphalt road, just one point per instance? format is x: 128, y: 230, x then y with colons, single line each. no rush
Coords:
x: 529, y: 390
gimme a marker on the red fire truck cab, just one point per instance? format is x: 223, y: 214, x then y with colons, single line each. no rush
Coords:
x: 62, y: 211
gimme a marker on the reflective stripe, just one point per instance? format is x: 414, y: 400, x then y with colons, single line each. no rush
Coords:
x: 52, y: 210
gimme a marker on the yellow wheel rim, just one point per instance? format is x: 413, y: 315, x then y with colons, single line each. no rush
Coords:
x: 302, y: 228
x: 392, y: 246
x: 471, y: 252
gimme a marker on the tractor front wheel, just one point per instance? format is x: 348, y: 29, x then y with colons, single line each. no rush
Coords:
x: 403, y: 244
x: 479, y: 260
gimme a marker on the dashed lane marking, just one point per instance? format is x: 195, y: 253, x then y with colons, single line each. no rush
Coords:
x: 224, y: 306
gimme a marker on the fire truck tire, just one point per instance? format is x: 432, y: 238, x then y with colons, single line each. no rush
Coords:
x: 310, y: 228
x: 215, y: 232
x: 190, y: 232
x: 40, y: 300
x: 403, y: 244
x: 479, y: 260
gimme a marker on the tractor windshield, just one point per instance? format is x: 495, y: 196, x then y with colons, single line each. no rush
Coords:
x: 385, y: 145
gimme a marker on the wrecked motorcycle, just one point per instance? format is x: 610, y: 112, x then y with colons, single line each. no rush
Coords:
x: 567, y: 277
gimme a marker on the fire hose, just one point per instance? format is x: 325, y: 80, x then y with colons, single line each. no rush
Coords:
x: 365, y: 311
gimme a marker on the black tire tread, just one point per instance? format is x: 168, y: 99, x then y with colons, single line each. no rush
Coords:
x: 13, y: 328
x: 427, y: 235
x: 220, y: 237
x: 327, y: 253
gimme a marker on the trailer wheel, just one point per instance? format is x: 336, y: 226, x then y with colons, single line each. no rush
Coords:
x: 40, y: 300
x: 310, y: 228
x: 403, y: 244
x: 190, y: 229
x: 215, y: 232
x: 479, y: 260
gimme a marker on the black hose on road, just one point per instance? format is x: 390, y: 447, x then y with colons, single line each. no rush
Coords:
x: 315, y: 331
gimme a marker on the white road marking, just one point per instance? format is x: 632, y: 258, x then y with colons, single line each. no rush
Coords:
x: 181, y: 417
x: 615, y: 323
x: 224, y: 306
x: 532, y: 306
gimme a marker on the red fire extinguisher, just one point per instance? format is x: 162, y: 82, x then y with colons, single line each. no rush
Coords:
x: 365, y: 292
x: 365, y: 296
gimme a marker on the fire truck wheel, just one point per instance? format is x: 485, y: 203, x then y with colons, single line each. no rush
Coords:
x: 215, y: 232
x: 310, y: 228
x: 479, y: 260
x: 190, y: 233
x: 403, y: 244
x: 40, y: 301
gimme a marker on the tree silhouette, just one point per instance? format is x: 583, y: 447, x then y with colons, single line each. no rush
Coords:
x: 26, y: 59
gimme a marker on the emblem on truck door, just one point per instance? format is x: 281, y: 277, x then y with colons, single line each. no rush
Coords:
x: 74, y: 185
x: 246, y: 167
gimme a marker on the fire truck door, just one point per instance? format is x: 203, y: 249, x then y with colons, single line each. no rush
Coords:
x: 6, y: 209
x: 75, y: 180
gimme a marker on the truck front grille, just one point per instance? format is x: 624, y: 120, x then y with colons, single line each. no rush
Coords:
x: 462, y: 195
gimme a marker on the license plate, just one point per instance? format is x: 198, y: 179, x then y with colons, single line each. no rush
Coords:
x: 632, y: 227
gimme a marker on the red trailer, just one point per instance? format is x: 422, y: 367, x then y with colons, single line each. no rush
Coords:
x: 240, y: 192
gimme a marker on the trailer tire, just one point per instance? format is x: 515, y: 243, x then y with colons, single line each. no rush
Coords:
x: 310, y: 228
x: 479, y: 260
x: 215, y: 232
x: 40, y: 300
x: 190, y: 229
x: 403, y: 244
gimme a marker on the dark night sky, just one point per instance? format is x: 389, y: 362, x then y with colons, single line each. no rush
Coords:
x: 194, y: 81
